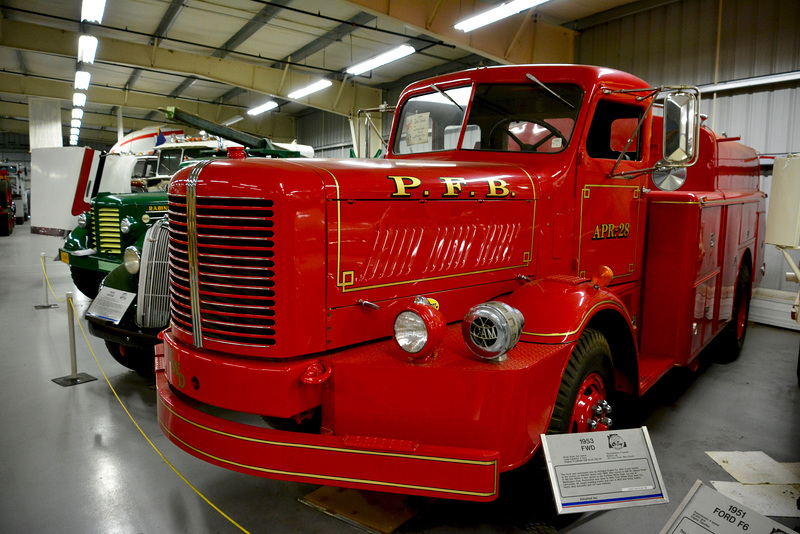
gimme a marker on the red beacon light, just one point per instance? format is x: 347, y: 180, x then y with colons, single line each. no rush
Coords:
x: 236, y: 152
x: 419, y: 329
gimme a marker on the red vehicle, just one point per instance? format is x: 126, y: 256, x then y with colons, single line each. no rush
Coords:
x: 414, y: 324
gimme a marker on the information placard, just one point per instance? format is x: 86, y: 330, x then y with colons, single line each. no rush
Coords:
x: 111, y: 304
x: 603, y: 470
x: 706, y: 511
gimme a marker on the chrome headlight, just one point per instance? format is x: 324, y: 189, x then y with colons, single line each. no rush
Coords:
x: 492, y: 329
x: 419, y: 329
x: 131, y: 259
x: 83, y: 219
x: 125, y: 225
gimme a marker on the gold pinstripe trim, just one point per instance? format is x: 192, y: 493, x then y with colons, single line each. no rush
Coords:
x: 585, y: 194
x: 583, y: 321
x: 350, y: 275
x: 688, y: 203
x: 334, y: 449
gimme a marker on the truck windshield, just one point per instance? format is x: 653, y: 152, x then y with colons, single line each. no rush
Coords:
x: 432, y: 122
x: 522, y: 117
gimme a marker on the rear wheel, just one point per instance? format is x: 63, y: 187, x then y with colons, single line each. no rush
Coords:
x: 6, y: 224
x: 732, y: 337
x: 87, y: 281
x: 135, y: 358
x: 587, y: 387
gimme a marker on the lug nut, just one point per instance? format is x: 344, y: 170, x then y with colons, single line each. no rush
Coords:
x: 597, y: 409
x: 592, y: 424
x: 606, y: 421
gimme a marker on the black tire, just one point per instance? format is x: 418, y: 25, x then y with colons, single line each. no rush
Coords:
x: 87, y: 281
x: 6, y: 224
x: 135, y: 358
x: 731, y: 339
x: 589, y: 376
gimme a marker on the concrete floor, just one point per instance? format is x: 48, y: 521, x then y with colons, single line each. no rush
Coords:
x: 73, y: 462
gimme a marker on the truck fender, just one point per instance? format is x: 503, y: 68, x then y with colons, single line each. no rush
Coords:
x: 78, y: 239
x: 559, y: 309
x: 121, y: 279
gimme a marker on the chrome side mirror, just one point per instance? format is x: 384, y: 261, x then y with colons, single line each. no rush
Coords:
x: 681, y: 127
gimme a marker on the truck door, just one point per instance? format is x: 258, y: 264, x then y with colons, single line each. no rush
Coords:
x: 611, y: 210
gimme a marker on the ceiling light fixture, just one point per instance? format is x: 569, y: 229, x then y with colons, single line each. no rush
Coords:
x: 313, y: 88
x: 258, y: 110
x: 73, y: 141
x: 77, y: 113
x: 79, y: 100
x: 92, y: 10
x: 82, y: 79
x: 493, y: 15
x: 74, y: 131
x: 76, y: 123
x: 87, y: 48
x: 232, y: 120
x: 381, y: 60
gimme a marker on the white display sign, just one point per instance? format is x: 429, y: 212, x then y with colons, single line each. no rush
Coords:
x: 705, y: 511
x: 111, y: 304
x: 603, y: 470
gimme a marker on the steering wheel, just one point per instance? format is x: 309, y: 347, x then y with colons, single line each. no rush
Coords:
x: 525, y: 147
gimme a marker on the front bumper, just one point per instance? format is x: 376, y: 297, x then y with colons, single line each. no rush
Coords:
x: 123, y: 334
x: 93, y: 262
x: 360, y: 462
x: 444, y: 428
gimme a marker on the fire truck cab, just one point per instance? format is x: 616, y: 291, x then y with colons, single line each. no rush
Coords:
x: 537, y: 239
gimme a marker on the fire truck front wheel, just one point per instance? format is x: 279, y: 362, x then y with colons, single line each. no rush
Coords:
x: 584, y: 398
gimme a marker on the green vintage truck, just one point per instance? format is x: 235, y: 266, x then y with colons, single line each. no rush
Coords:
x: 114, y: 223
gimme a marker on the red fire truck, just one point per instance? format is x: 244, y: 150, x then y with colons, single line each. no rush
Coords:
x: 536, y: 240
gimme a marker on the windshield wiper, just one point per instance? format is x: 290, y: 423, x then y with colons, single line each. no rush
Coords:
x: 533, y: 78
x: 448, y: 97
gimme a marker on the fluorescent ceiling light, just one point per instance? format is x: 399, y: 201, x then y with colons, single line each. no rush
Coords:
x: 232, y: 120
x: 313, y: 88
x: 87, y: 47
x: 73, y: 141
x: 378, y: 61
x: 76, y: 123
x: 77, y: 113
x: 82, y: 79
x: 258, y: 110
x: 73, y: 136
x: 79, y: 100
x: 493, y: 15
x: 74, y: 131
x: 92, y: 10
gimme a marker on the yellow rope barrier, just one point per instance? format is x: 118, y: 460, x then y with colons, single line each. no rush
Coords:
x: 114, y: 391
x: 44, y: 270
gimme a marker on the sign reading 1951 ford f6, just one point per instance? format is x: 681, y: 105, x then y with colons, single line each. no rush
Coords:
x: 538, y: 241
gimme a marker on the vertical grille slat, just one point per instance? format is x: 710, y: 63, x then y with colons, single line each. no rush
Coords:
x: 222, y: 269
x: 153, y: 298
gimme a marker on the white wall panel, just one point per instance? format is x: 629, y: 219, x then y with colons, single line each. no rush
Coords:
x: 677, y: 43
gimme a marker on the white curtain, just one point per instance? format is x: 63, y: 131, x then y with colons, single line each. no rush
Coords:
x: 45, y: 123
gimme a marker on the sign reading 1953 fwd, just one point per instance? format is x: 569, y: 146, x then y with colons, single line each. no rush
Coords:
x: 603, y: 470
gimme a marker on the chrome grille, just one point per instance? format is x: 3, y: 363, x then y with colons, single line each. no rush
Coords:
x: 235, y: 268
x: 153, y: 298
x: 107, y: 236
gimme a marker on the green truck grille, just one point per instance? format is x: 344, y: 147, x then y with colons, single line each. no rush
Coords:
x: 107, y: 236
